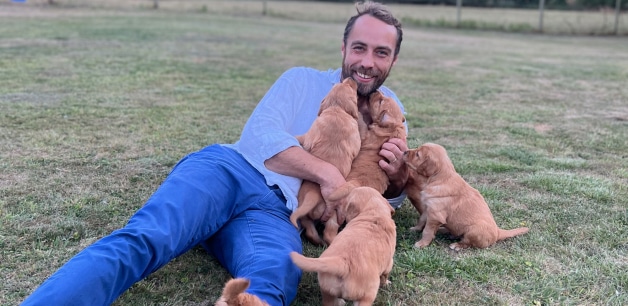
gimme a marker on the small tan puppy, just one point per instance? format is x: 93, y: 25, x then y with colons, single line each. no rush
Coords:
x: 443, y: 198
x: 233, y: 294
x: 334, y: 137
x: 361, y: 257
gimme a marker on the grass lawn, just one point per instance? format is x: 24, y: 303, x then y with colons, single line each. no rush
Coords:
x: 97, y: 105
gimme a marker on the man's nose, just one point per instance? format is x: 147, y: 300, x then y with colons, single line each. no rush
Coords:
x: 367, y: 61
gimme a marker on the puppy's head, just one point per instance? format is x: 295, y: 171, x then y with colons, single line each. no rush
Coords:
x: 428, y: 159
x: 386, y: 116
x: 343, y: 95
x: 233, y: 294
x: 351, y: 83
x: 361, y: 199
x: 384, y: 110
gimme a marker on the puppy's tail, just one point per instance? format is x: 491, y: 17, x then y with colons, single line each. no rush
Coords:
x: 331, y: 265
x: 503, y: 234
x: 309, y: 197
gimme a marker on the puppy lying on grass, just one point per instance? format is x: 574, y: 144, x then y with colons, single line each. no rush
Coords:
x: 334, y: 137
x: 233, y: 294
x: 361, y: 257
x: 443, y: 198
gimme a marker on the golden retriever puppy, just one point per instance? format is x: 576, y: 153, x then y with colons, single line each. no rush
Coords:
x: 386, y: 121
x: 233, y: 294
x: 361, y: 257
x: 335, y: 138
x: 443, y: 198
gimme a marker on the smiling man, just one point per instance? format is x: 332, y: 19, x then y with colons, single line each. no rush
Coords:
x: 236, y: 199
x: 370, y: 47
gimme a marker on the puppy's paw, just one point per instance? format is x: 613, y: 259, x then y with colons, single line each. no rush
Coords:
x: 384, y: 281
x: 294, y: 220
x: 458, y: 246
x: 421, y: 244
x: 340, y: 302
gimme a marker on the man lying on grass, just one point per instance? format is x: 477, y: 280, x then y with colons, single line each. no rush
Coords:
x: 236, y: 199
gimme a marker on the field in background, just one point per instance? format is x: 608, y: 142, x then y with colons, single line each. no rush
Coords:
x: 97, y: 105
x: 600, y: 22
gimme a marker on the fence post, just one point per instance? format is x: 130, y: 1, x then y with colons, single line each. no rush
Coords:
x: 617, y: 10
x: 458, y: 9
x: 541, y: 9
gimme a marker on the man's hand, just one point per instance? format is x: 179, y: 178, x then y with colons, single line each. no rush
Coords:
x: 331, y: 204
x: 392, y: 152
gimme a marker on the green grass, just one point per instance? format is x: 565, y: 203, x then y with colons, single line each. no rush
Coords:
x: 96, y: 106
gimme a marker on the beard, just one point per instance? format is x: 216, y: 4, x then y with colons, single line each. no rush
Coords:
x: 365, y: 89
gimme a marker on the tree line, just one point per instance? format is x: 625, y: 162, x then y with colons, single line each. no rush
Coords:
x: 549, y: 4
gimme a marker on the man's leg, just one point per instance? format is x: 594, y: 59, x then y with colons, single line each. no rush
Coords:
x: 256, y: 245
x: 194, y: 201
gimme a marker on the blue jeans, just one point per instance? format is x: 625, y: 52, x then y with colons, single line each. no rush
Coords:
x: 212, y: 197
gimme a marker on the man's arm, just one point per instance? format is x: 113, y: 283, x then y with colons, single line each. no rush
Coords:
x: 297, y: 162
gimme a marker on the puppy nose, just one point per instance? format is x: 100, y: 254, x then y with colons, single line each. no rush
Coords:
x: 405, y: 153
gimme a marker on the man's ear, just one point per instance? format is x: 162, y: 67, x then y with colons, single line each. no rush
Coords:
x: 342, y: 49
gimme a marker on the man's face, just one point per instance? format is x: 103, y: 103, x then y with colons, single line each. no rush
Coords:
x: 369, y: 52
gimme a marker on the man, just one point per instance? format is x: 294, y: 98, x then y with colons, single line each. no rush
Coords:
x: 236, y: 200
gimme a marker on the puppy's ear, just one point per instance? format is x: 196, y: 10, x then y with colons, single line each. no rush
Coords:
x: 385, y: 119
x: 352, y: 203
x: 385, y: 127
x: 431, y: 162
x: 375, y: 96
x: 324, y: 105
x: 342, y: 192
